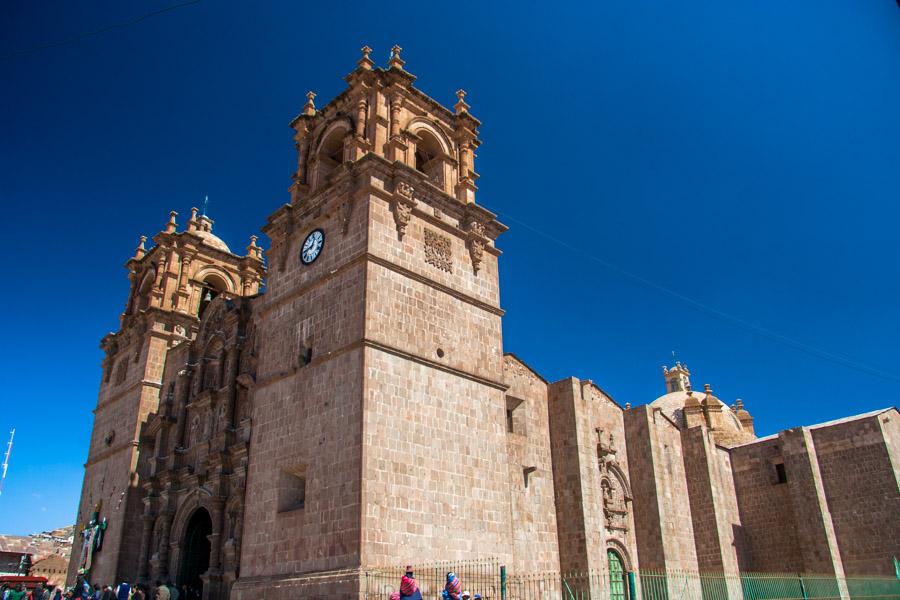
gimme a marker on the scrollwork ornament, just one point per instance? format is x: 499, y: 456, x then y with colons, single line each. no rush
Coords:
x: 476, y: 253
x: 476, y: 242
x: 405, y: 190
x: 402, y: 214
x: 346, y: 212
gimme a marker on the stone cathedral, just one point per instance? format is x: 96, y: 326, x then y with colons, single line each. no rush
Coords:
x: 283, y: 420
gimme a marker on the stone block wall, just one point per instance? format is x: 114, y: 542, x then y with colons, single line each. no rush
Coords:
x: 308, y: 423
x: 711, y: 492
x: 567, y: 482
x: 307, y: 418
x: 125, y: 400
x: 861, y: 489
x: 434, y: 465
x: 662, y: 511
x: 595, y: 510
x: 533, y: 507
x: 815, y: 530
x: 768, y: 531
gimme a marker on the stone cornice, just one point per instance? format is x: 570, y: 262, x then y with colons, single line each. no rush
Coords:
x: 384, y: 78
x: 113, y: 398
x: 352, y: 181
x: 376, y: 345
x: 109, y: 452
x: 271, y: 304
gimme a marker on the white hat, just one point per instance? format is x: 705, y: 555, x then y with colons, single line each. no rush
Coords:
x: 466, y: 595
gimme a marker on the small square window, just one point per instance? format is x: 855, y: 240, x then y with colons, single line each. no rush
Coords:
x: 515, y: 415
x: 292, y: 488
x: 780, y: 473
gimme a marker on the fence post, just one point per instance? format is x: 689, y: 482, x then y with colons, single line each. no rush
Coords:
x: 502, y: 582
x: 632, y: 593
x: 802, y: 586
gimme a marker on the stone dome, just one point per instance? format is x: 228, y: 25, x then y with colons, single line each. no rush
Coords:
x: 212, y: 240
x: 672, y: 405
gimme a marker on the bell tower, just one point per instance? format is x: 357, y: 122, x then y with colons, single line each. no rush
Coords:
x: 171, y: 285
x: 379, y: 396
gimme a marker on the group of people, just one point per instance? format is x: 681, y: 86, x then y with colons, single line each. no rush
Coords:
x: 18, y: 592
x: 409, y: 588
x: 82, y: 590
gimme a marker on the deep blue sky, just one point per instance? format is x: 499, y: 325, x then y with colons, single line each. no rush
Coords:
x: 744, y: 154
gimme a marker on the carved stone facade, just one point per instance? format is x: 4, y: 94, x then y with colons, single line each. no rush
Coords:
x: 181, y: 278
x: 195, y: 449
x: 362, y: 412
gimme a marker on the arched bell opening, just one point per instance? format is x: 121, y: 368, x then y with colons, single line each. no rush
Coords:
x: 429, y: 153
x: 196, y: 549
x: 142, y: 296
x: 212, y: 286
x: 330, y: 153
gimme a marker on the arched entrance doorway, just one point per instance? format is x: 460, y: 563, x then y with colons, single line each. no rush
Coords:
x: 195, y: 553
x: 618, y: 582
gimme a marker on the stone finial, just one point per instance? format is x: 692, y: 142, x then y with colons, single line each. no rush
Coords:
x: 365, y: 62
x: 192, y: 222
x: 396, y: 62
x: 253, y: 250
x: 707, y: 388
x: 310, y: 108
x: 204, y: 223
x: 171, y: 226
x: 461, y: 106
x: 140, y: 251
x: 738, y: 404
x: 690, y: 401
x: 628, y: 406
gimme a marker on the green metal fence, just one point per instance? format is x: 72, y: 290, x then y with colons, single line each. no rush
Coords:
x: 477, y: 577
x: 489, y: 579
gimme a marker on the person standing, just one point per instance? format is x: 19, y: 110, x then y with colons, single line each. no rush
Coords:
x: 17, y: 593
x: 162, y: 592
x: 453, y: 587
x: 123, y: 591
x: 409, y: 587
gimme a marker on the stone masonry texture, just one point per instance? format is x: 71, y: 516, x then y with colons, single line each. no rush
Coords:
x: 313, y: 420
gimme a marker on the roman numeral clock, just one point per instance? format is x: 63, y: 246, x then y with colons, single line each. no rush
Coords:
x: 312, y: 246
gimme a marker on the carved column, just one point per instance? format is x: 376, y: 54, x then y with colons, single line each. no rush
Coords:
x: 185, y: 270
x: 361, y: 118
x: 146, y: 534
x: 160, y: 272
x: 165, y: 524
x: 132, y: 295
x: 396, y: 101
x: 217, y: 513
x: 182, y: 393
x: 465, y: 160
x: 233, y: 366
x: 183, y: 294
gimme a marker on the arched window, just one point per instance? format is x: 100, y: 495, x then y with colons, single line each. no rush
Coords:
x: 428, y: 157
x: 211, y: 287
x: 142, y: 297
x: 330, y: 153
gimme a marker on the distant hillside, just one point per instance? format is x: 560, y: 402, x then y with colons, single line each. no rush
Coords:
x: 40, y: 545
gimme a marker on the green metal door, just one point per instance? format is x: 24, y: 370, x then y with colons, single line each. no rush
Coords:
x: 616, y: 576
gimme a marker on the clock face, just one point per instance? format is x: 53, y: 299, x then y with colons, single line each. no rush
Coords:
x: 312, y: 246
